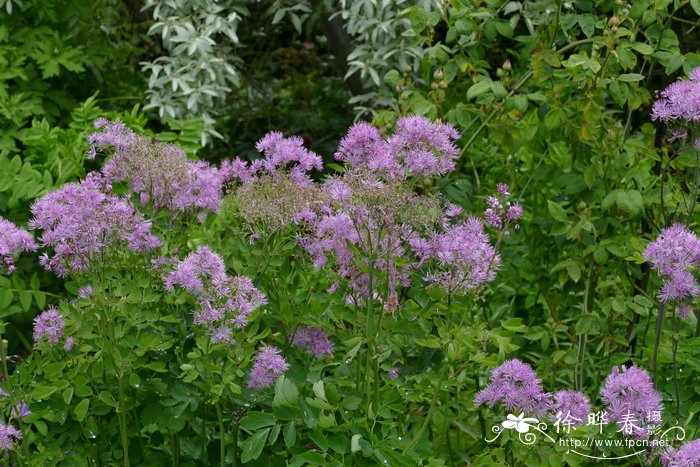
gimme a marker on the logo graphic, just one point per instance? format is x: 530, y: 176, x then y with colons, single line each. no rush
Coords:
x: 528, y: 429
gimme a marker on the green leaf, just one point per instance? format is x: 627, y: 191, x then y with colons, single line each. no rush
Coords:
x: 25, y: 299
x: 255, y: 420
x: 43, y: 392
x: 419, y: 19
x: 355, y: 443
x: 478, y: 89
x: 504, y: 28
x: 498, y: 90
x: 40, y: 299
x: 67, y: 395
x: 618, y: 92
x: 252, y: 447
x: 696, y: 6
x: 574, y: 271
x: 642, y: 48
x: 5, y: 298
x: 630, y: 77
x: 630, y: 201
x: 587, y: 23
x: 81, y: 409
x: 556, y: 211
x: 107, y: 398
x: 587, y: 323
x: 290, y: 435
x: 296, y: 22
x: 286, y: 392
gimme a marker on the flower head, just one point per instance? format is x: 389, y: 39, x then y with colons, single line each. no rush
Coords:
x: 224, y: 301
x: 13, y: 241
x: 313, y: 340
x: 687, y: 455
x: 80, y: 219
x: 680, y: 101
x: 571, y: 404
x: 8, y: 436
x: 500, y: 211
x: 158, y: 173
x: 268, y: 366
x: 515, y: 385
x: 629, y: 394
x: 463, y: 257
x: 675, y: 253
x: 50, y: 324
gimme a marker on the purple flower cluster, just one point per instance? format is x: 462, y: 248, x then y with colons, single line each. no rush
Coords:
x: 572, y: 405
x: 679, y: 101
x: 687, y: 455
x: 8, y: 436
x: 50, y: 324
x: 631, y: 400
x: 13, y: 241
x: 500, y: 211
x: 79, y: 220
x: 515, y: 385
x: 463, y: 256
x: 313, y: 340
x: 281, y: 157
x: 373, y: 209
x: 268, y: 366
x: 224, y: 301
x: 675, y: 254
x: 275, y: 191
x: 417, y: 147
x: 158, y: 173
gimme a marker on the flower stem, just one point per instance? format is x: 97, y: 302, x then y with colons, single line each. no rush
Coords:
x: 25, y: 443
x: 659, y: 330
x: 234, y: 458
x: 222, y: 434
x: 3, y: 356
x: 122, y: 422
x: 674, y: 349
x: 424, y: 426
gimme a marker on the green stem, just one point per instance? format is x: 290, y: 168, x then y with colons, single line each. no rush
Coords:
x: 657, y: 341
x: 234, y: 462
x: 122, y: 422
x: 222, y: 434
x: 25, y: 442
x: 674, y: 349
x: 3, y: 357
x: 369, y: 334
x: 424, y: 426
x: 175, y: 449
